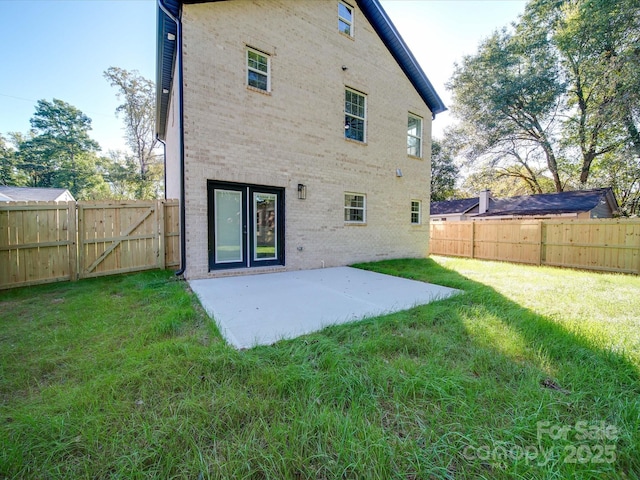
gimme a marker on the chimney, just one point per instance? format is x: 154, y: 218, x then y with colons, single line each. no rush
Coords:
x: 485, y: 196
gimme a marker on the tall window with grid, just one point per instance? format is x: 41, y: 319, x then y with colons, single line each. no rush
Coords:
x: 355, y: 111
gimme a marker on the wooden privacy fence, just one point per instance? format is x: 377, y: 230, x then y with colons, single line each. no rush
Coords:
x: 611, y: 245
x: 43, y: 242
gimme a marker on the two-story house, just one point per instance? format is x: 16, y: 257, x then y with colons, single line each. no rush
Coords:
x: 298, y: 134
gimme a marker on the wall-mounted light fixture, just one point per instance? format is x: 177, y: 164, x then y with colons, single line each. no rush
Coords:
x: 398, y: 172
x: 302, y: 191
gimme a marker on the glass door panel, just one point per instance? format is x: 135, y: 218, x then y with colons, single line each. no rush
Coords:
x: 228, y: 226
x: 265, y: 226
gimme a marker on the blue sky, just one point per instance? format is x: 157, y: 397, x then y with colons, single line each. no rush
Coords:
x: 59, y: 49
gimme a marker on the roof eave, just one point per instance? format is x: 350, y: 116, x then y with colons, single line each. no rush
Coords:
x: 165, y: 60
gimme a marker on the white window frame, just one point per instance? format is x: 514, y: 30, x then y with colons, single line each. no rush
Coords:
x: 417, y: 137
x: 351, y: 115
x: 347, y: 22
x: 419, y: 212
x: 349, y: 208
x: 258, y: 71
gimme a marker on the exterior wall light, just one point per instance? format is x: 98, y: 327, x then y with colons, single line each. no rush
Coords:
x: 302, y: 191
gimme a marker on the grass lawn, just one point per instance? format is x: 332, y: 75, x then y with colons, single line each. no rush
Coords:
x: 531, y: 373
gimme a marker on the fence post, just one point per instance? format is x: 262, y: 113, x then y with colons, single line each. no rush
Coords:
x: 473, y: 238
x: 72, y: 234
x: 541, y: 227
x: 160, y: 206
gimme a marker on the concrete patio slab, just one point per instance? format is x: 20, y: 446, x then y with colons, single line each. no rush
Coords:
x: 255, y: 310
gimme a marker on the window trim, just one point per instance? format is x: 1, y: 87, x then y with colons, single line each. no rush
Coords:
x: 259, y: 72
x: 364, y: 119
x: 344, y: 20
x: 419, y: 137
x: 419, y: 212
x: 348, y: 208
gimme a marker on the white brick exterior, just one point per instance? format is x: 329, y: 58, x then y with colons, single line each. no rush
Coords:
x: 295, y: 134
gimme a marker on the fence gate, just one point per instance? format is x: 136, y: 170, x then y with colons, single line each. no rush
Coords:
x: 119, y: 237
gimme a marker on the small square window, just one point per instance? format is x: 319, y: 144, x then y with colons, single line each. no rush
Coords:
x: 355, y: 112
x: 258, y: 70
x: 416, y: 212
x: 355, y: 208
x: 414, y: 136
x: 345, y: 18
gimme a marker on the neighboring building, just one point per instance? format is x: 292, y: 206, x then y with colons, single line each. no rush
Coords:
x: 301, y: 136
x: 596, y: 203
x: 34, y: 194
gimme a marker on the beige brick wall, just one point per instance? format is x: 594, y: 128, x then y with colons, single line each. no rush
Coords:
x: 172, y: 144
x: 295, y: 134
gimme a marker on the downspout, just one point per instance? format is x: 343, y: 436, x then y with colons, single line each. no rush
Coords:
x: 183, y: 230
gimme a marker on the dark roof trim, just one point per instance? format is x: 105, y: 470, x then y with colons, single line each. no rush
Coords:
x: 387, y: 31
x: 166, y: 54
x: 165, y: 61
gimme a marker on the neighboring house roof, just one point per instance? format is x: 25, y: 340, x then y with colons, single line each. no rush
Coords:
x: 551, y: 203
x: 372, y: 9
x: 542, y: 204
x: 31, y: 194
x: 452, y: 207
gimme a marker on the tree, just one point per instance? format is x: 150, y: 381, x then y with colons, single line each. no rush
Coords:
x: 138, y: 112
x: 120, y: 171
x: 60, y: 150
x: 443, y: 171
x: 557, y: 96
x: 596, y: 41
x: 509, y: 99
x: 9, y: 171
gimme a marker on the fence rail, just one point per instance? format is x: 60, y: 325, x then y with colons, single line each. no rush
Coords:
x: 42, y: 242
x: 611, y: 245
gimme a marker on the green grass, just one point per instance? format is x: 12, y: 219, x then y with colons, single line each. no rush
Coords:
x: 126, y: 377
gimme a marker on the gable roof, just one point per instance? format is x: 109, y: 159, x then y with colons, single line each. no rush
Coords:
x: 550, y: 203
x: 542, y: 204
x: 32, y: 194
x: 372, y: 10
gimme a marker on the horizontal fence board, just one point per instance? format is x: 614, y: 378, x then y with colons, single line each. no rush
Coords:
x: 43, y: 242
x: 609, y: 245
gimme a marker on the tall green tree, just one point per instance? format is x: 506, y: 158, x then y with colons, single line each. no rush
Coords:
x: 58, y: 152
x: 138, y: 112
x: 61, y: 150
x: 444, y: 171
x: 564, y: 86
x: 508, y: 98
x: 596, y: 42
x: 10, y: 173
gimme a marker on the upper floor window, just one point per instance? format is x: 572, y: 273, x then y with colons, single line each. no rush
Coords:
x: 414, y: 136
x: 258, y: 70
x: 355, y: 111
x: 416, y: 212
x: 355, y: 207
x: 345, y: 18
